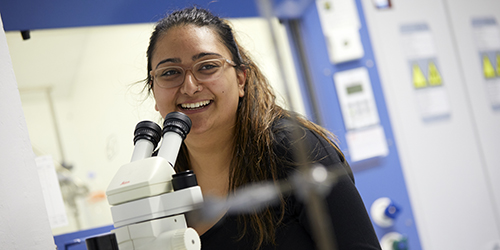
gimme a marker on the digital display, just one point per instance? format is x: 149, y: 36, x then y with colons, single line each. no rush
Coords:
x: 355, y: 88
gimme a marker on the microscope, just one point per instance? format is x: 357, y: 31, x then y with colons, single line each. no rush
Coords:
x: 148, y: 198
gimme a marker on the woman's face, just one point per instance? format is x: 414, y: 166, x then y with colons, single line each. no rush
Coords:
x: 211, y: 105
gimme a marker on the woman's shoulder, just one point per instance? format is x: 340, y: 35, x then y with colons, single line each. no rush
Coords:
x: 293, y: 139
x: 288, y: 130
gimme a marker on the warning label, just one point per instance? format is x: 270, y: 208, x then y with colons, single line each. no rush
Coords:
x: 487, y: 36
x: 488, y: 69
x: 434, y: 76
x: 425, y: 73
x: 427, y: 80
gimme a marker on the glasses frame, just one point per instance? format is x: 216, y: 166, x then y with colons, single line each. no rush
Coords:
x: 153, y: 74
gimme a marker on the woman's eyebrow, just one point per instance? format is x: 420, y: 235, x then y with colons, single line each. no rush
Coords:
x: 200, y: 55
x: 172, y: 60
x: 194, y: 58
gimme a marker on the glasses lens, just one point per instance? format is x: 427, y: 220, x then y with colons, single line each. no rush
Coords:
x: 208, y: 69
x: 169, y: 77
x: 173, y: 76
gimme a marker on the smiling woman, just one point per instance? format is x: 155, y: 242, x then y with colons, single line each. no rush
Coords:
x: 240, y: 135
x: 191, y: 46
x: 96, y: 101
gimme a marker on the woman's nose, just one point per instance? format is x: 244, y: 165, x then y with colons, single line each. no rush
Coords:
x: 190, y: 85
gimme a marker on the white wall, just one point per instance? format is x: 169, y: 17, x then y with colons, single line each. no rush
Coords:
x: 23, y: 218
x: 442, y: 160
x: 486, y: 120
x: 92, y: 72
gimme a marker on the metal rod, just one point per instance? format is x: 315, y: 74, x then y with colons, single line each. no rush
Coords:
x: 265, y: 9
x: 48, y: 92
x: 294, y: 26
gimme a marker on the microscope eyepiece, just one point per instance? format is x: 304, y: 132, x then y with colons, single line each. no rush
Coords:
x: 177, y: 122
x: 175, y: 129
x: 147, y: 130
x: 147, y: 135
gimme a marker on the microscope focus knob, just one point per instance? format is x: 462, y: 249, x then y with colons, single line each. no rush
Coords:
x: 185, y: 239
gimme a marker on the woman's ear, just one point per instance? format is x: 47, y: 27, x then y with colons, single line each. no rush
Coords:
x: 242, y: 78
x: 153, y: 92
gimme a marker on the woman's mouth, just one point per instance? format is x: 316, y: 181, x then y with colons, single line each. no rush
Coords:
x: 195, y: 105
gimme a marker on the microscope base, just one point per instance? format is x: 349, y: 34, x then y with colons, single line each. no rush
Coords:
x: 168, y: 233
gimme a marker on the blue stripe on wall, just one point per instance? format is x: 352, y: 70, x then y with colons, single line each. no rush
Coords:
x: 50, y: 14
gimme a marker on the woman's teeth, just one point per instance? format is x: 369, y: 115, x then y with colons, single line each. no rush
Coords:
x: 194, y: 105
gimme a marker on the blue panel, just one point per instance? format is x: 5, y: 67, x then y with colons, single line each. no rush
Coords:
x: 76, y: 240
x: 377, y: 177
x: 35, y: 14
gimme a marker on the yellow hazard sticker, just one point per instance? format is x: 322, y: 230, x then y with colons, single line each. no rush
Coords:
x: 434, y: 76
x: 498, y: 64
x: 419, y: 80
x: 488, y: 70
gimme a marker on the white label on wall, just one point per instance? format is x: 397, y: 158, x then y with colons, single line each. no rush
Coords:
x: 487, y: 36
x: 367, y: 143
x: 425, y: 72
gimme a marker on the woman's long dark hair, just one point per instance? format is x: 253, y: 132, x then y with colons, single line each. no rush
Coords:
x: 253, y: 155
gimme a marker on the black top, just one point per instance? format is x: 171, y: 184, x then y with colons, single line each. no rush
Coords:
x: 350, y: 221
